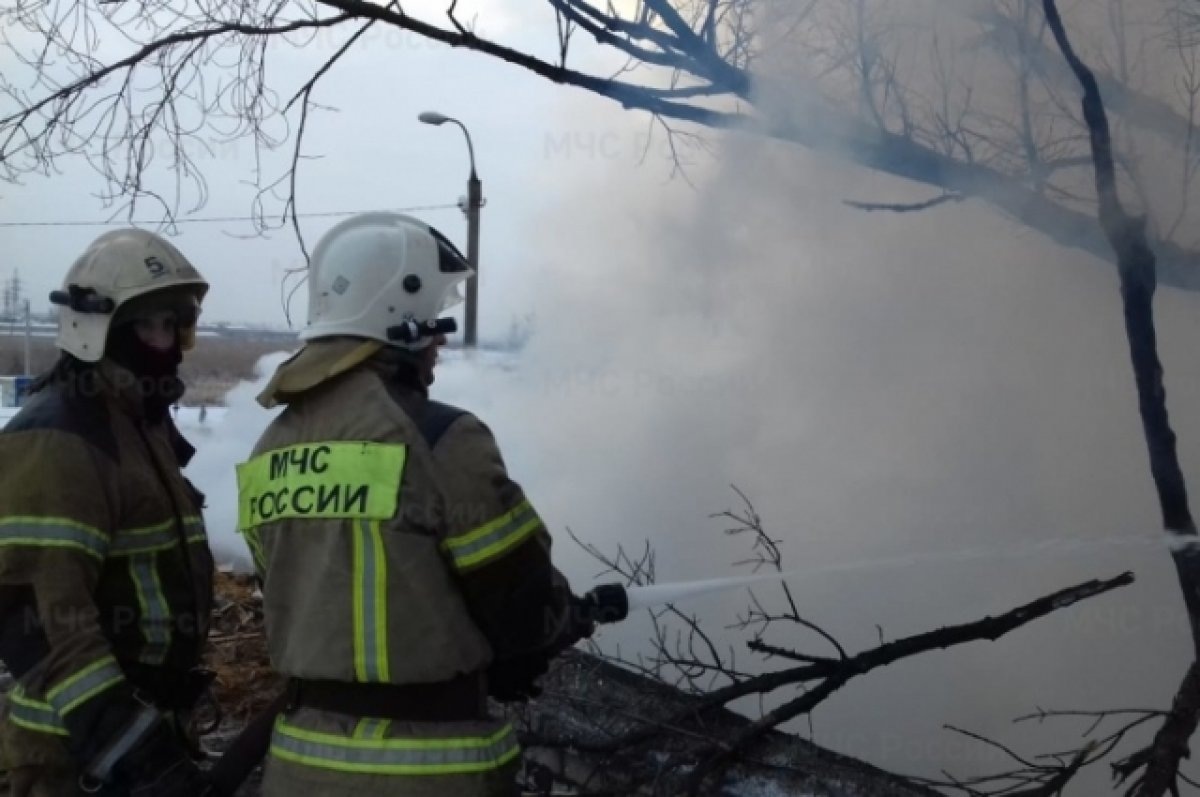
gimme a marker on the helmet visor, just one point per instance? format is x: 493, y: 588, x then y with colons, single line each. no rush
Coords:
x: 450, y: 260
x: 181, y: 302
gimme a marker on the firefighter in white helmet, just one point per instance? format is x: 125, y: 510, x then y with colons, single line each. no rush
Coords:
x: 405, y: 575
x: 105, y: 570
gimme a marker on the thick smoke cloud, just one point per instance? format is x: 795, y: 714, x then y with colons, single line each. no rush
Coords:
x: 945, y: 388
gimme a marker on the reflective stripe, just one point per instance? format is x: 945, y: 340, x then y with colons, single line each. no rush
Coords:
x: 159, y: 537
x: 395, y: 756
x: 254, y: 543
x: 371, y: 728
x: 154, y: 614
x: 193, y: 529
x: 145, y: 540
x: 494, y: 537
x: 33, y: 714
x: 370, y: 603
x: 51, y: 532
x: 342, y: 480
x: 85, y: 684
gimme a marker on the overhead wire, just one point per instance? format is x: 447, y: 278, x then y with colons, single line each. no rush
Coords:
x: 211, y: 219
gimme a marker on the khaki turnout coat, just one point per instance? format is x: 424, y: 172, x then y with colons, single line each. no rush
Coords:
x: 105, y: 570
x: 393, y: 548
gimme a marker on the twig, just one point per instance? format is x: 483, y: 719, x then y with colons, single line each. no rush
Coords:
x: 840, y: 673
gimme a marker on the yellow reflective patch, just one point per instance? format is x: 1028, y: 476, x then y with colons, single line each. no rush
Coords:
x: 320, y: 480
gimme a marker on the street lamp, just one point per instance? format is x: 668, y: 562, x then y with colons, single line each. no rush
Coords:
x: 474, y: 203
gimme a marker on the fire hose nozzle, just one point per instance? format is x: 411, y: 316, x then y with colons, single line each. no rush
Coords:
x: 607, y: 603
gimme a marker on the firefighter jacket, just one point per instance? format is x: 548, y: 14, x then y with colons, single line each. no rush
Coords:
x: 105, y: 571
x: 393, y: 549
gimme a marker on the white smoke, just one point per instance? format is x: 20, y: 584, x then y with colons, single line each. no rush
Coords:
x: 915, y: 388
x: 920, y: 388
x: 226, y: 438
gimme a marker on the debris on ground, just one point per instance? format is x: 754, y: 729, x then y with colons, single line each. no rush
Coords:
x: 237, y: 652
x: 237, y: 649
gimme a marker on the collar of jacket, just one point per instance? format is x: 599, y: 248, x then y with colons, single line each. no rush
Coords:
x: 398, y: 367
x: 317, y: 362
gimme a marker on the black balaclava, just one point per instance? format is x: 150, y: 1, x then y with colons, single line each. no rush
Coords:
x: 156, y: 371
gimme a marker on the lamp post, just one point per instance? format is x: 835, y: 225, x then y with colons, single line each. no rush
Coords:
x: 473, y: 204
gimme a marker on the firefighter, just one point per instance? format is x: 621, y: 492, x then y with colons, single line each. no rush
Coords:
x: 405, y: 575
x: 105, y: 571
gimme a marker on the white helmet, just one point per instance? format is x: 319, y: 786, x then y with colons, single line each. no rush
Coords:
x: 117, y: 268
x: 385, y: 277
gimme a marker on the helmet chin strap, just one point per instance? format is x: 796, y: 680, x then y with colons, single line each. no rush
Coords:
x: 411, y: 331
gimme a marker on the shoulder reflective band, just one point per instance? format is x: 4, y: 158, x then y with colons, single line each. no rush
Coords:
x: 320, y: 480
x: 494, y: 538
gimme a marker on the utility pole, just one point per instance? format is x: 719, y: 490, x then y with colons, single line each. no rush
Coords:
x: 16, y: 302
x: 474, y: 203
x: 28, y: 334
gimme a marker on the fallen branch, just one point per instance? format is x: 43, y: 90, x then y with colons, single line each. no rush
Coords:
x: 837, y: 674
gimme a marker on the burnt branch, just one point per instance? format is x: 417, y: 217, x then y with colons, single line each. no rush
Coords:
x: 835, y: 675
x: 687, y: 658
x: 767, y: 553
x: 693, y: 741
x: 1030, y: 778
x: 696, y: 664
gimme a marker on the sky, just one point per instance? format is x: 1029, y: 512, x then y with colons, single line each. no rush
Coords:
x: 526, y: 152
x: 933, y: 412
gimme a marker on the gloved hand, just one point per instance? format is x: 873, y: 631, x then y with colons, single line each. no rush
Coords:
x: 513, y: 680
x: 580, y: 624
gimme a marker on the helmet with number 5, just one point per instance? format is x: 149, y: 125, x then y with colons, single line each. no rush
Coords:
x: 120, y: 275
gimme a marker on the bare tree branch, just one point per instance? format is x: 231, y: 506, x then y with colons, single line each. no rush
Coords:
x: 837, y: 674
x: 1136, y: 267
x: 910, y: 207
